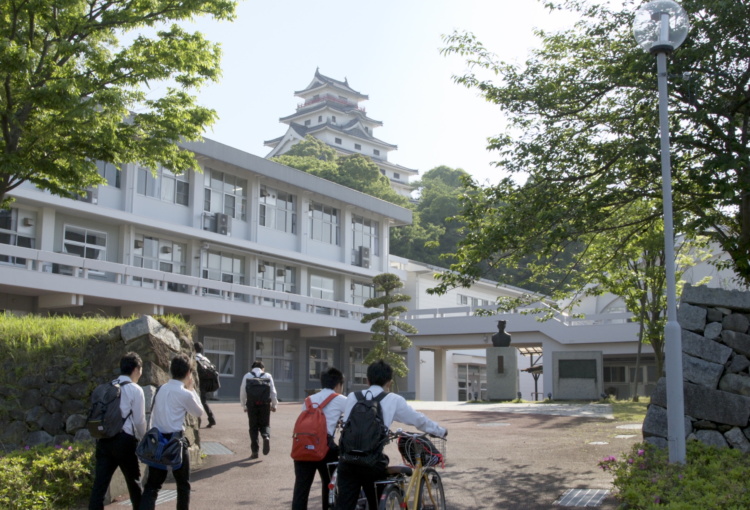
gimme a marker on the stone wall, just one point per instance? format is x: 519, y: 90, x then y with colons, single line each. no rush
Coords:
x: 715, y: 361
x: 50, y: 406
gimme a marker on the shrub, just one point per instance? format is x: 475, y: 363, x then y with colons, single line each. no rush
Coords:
x: 46, y: 477
x: 710, y: 478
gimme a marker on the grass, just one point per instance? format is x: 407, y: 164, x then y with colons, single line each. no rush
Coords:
x: 629, y: 411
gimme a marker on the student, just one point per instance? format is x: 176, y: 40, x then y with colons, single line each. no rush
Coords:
x: 119, y: 451
x: 259, y: 408
x: 352, y: 478
x: 174, y: 399
x: 331, y: 382
x: 198, y: 346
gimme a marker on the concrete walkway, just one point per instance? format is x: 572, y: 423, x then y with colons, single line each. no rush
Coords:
x: 499, y: 456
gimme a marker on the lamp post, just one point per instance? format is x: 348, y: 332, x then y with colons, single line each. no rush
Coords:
x: 660, y: 27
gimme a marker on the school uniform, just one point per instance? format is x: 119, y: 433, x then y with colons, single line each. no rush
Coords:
x: 119, y: 451
x: 353, y: 478
x: 258, y: 415
x: 304, y: 472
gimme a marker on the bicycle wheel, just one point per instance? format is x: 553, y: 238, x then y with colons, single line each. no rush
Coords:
x: 431, y: 494
x: 391, y: 499
x: 333, y: 490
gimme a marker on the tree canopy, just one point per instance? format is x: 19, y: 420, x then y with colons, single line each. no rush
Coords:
x: 581, y: 141
x: 72, y: 94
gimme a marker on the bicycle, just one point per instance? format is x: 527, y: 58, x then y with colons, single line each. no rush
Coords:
x: 416, y: 485
x: 333, y: 490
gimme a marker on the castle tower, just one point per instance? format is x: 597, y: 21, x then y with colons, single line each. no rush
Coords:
x: 331, y: 113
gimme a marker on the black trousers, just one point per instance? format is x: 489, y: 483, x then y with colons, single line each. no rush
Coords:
x: 156, y: 479
x: 111, y: 453
x: 353, y: 478
x: 304, y: 475
x: 209, y: 413
x: 259, y: 418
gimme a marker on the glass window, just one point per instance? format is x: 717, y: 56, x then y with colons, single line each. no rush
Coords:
x: 321, y: 287
x: 224, y: 267
x: 614, y: 374
x: 320, y: 361
x: 357, y: 146
x: 278, y: 210
x: 161, y: 255
x: 277, y: 355
x: 16, y: 230
x: 337, y: 140
x: 225, y: 193
x: 86, y: 243
x: 365, y: 232
x: 361, y: 292
x: 221, y: 352
x: 109, y: 172
x: 357, y: 364
x: 324, y: 224
x: 164, y: 185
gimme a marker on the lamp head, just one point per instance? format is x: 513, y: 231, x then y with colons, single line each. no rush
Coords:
x: 660, y: 26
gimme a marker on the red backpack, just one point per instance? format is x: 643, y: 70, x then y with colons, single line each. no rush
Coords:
x: 310, y: 436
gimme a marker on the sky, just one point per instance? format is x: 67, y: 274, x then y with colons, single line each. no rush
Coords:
x: 388, y: 50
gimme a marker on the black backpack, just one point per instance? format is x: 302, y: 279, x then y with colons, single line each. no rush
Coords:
x: 208, y: 375
x: 258, y: 390
x: 364, y: 434
x: 105, y: 419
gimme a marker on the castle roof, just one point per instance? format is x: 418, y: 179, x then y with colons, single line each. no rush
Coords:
x: 321, y: 81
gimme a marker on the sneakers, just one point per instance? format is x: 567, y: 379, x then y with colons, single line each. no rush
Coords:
x: 266, y: 445
x: 211, y: 422
x: 254, y: 455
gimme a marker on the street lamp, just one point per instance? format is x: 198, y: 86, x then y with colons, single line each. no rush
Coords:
x: 660, y: 27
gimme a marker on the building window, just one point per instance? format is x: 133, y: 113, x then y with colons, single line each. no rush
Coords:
x: 382, y: 171
x: 396, y: 175
x: 472, y: 379
x: 320, y: 361
x: 223, y: 267
x: 16, y: 229
x: 337, y: 140
x: 277, y: 277
x: 164, y: 185
x: 361, y: 292
x: 277, y: 355
x: 161, y: 255
x: 322, y: 287
x: 367, y: 129
x: 225, y: 193
x: 86, y: 243
x: 357, y: 146
x: 221, y: 352
x: 307, y: 122
x: 357, y: 365
x: 376, y: 152
x: 109, y: 172
x: 278, y: 210
x: 320, y: 119
x: 365, y: 232
x: 324, y: 224
x: 465, y: 300
x: 333, y: 119
x: 613, y: 374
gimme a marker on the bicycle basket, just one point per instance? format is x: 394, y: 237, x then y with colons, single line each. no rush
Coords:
x: 431, y: 451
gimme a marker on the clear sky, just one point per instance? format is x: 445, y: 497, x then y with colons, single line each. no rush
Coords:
x: 387, y: 49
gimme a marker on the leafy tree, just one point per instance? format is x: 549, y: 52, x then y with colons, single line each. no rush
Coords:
x: 582, y: 124
x: 69, y: 88
x: 386, y: 326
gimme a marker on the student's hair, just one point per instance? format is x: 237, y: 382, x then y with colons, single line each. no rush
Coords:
x: 379, y: 373
x: 198, y: 347
x: 258, y: 364
x: 130, y: 362
x: 180, y: 366
x: 331, y: 378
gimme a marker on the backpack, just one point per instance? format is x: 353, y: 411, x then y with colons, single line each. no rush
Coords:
x: 258, y: 390
x: 208, y: 375
x: 310, y: 435
x: 364, y: 434
x: 105, y: 419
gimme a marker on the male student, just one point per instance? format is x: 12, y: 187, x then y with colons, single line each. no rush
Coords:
x: 258, y: 399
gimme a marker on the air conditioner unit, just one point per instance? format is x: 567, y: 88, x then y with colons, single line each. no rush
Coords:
x: 364, y: 256
x: 91, y: 196
x: 222, y: 224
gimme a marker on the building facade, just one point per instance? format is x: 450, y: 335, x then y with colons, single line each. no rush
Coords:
x: 331, y: 112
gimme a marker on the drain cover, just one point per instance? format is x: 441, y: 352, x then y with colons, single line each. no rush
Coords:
x: 164, y: 497
x: 582, y: 497
x: 213, y: 448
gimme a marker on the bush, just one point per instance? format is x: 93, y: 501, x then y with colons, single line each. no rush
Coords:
x: 710, y: 478
x: 46, y: 477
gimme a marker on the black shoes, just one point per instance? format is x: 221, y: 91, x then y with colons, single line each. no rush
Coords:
x: 211, y: 422
x: 254, y: 455
x: 266, y: 445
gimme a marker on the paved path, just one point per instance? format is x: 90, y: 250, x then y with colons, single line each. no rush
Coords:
x: 499, y: 456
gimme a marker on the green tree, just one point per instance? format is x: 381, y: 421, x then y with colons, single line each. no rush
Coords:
x: 581, y: 117
x: 387, y: 330
x: 70, y: 89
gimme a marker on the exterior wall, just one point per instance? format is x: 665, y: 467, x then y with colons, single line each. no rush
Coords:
x: 567, y: 388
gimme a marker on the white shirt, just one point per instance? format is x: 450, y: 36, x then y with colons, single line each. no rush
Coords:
x: 257, y: 372
x: 171, y: 404
x: 131, y: 399
x: 333, y: 410
x: 395, y: 408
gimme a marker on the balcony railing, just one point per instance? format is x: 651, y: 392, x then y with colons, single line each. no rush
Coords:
x: 120, y: 274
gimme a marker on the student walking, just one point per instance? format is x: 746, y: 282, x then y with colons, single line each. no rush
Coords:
x: 172, y: 402
x: 258, y: 398
x: 119, y: 450
x: 202, y: 387
x: 332, y: 383
x: 393, y: 407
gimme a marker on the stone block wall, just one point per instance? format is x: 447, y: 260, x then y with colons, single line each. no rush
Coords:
x: 50, y: 406
x: 715, y: 362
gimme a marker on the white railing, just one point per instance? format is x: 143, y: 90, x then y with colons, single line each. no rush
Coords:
x: 566, y: 320
x: 119, y: 274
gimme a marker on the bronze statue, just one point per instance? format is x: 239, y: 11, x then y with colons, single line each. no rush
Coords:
x: 501, y: 338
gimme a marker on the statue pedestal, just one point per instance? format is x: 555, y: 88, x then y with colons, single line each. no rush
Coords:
x: 502, y: 373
